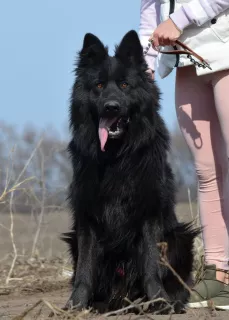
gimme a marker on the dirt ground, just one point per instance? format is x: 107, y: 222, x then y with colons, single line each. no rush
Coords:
x: 42, y: 281
x: 14, y: 307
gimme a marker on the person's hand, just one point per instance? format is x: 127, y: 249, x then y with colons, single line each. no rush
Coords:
x: 165, y: 34
x: 151, y: 73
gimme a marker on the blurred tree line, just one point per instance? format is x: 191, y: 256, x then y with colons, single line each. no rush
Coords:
x: 41, y: 156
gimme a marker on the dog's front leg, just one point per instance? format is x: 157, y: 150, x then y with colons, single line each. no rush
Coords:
x: 152, y: 283
x: 85, y: 276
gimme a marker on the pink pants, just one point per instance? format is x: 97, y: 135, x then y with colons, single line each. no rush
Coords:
x: 202, y: 105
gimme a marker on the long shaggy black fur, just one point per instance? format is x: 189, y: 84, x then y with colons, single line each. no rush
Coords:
x: 122, y: 198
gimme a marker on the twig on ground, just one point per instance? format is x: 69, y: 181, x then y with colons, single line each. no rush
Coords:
x: 136, y: 303
x: 27, y: 311
x: 38, y: 313
x: 132, y: 306
x: 68, y: 313
x: 55, y: 311
x: 49, y: 305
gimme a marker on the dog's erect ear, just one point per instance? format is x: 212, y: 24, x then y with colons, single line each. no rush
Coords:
x: 93, y: 50
x: 130, y: 48
x: 91, y: 40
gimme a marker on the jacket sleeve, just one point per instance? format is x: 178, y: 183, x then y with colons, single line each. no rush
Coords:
x: 198, y: 12
x: 149, y: 19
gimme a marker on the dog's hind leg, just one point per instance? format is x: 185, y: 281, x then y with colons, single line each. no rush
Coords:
x: 180, y: 257
x: 86, y: 273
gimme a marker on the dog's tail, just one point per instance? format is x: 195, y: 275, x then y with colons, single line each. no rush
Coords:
x: 182, y: 236
x: 67, y: 237
x: 185, y: 231
x: 71, y: 239
x: 180, y: 243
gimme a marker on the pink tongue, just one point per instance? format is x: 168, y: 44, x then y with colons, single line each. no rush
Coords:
x: 103, y: 132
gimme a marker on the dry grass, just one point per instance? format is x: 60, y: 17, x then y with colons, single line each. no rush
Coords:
x: 25, y: 226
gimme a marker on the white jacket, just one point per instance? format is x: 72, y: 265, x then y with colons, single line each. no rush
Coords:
x: 209, y: 39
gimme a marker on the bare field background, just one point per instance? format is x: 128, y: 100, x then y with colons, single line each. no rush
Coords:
x: 49, y: 245
x: 25, y: 226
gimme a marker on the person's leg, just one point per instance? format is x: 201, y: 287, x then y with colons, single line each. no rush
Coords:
x: 200, y: 126
x: 199, y: 123
x: 220, y: 84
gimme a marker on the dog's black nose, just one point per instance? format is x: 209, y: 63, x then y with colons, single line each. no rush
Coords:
x: 112, y: 106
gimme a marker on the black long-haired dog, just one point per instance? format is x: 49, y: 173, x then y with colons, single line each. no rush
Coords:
x: 122, y: 192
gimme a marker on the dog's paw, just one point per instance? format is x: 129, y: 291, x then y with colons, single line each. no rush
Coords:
x: 67, y: 307
x: 74, y: 304
x: 179, y: 307
x: 161, y: 307
x: 79, y: 298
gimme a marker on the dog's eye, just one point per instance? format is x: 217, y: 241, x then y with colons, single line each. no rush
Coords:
x: 99, y: 85
x: 124, y: 85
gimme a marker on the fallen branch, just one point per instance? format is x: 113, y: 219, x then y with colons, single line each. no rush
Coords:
x: 132, y: 306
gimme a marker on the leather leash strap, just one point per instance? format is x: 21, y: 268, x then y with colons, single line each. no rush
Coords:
x: 186, y: 51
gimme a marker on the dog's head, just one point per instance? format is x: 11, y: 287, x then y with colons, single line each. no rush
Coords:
x: 114, y: 91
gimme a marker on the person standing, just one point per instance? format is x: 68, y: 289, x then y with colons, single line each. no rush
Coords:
x: 202, y: 108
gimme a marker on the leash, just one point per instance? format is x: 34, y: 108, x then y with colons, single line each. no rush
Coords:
x: 187, y: 51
